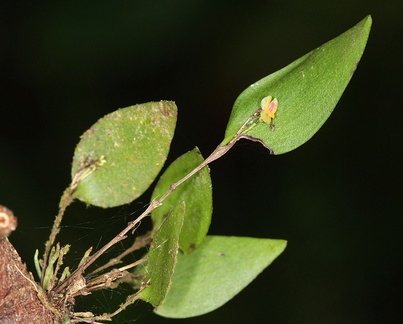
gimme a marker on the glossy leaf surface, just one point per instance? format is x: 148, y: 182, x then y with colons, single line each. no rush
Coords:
x: 307, y: 91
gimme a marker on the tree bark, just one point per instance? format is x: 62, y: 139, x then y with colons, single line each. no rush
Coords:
x: 19, y: 301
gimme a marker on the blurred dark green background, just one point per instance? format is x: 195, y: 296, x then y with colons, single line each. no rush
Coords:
x: 336, y: 199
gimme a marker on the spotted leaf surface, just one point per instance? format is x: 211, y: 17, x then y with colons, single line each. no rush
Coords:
x: 127, y: 148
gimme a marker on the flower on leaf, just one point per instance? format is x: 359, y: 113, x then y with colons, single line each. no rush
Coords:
x: 269, y: 107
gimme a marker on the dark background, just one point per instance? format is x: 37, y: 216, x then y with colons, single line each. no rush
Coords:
x: 337, y: 199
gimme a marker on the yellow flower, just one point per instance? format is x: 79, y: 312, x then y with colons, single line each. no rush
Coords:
x: 269, y: 107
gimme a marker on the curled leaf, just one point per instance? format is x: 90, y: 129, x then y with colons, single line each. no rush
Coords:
x: 196, y: 192
x: 162, y: 257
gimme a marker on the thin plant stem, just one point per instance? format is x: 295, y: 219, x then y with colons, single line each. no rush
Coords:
x: 216, y: 154
x: 87, y: 168
x: 141, y: 241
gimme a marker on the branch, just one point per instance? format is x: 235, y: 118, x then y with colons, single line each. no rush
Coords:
x: 217, y: 153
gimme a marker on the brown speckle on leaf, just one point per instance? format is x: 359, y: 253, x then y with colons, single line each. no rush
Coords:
x: 165, y: 112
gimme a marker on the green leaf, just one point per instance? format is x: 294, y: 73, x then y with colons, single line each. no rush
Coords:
x: 196, y: 192
x: 161, y: 258
x: 132, y: 144
x: 218, y: 270
x: 307, y: 91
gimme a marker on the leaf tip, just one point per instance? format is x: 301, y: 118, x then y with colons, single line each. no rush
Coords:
x: 366, y: 23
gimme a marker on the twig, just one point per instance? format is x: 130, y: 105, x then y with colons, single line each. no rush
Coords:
x: 217, y: 153
x: 140, y: 241
x: 121, y: 236
x: 85, y: 170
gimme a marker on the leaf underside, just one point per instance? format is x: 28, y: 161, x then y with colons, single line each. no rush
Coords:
x: 213, y: 274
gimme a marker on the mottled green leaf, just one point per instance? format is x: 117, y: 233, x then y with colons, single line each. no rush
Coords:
x: 307, y: 91
x: 214, y: 273
x: 133, y: 142
x: 162, y: 257
x: 196, y: 192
